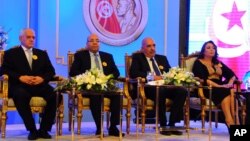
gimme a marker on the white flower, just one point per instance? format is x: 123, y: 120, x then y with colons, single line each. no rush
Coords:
x: 3, y: 38
x: 93, y: 79
x: 178, y: 76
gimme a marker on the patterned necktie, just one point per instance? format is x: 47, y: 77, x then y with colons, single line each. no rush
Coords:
x: 29, y: 57
x: 156, y: 70
x: 97, y: 61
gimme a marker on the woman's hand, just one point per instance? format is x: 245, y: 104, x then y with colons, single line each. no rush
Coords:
x: 227, y: 85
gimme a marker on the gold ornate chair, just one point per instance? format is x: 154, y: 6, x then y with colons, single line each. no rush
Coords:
x: 83, y: 103
x: 201, y: 102
x: 145, y: 103
x: 37, y: 104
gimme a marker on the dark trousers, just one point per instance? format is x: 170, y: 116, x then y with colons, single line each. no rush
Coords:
x: 95, y: 107
x: 177, y: 95
x: 22, y: 95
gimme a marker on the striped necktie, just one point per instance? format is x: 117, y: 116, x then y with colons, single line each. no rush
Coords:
x: 156, y: 70
x: 97, y: 61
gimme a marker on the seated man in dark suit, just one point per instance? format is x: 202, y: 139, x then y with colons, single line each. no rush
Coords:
x: 29, y: 70
x: 93, y: 58
x: 149, y: 61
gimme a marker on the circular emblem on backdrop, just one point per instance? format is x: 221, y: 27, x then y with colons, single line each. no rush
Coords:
x: 116, y: 22
x: 230, y: 27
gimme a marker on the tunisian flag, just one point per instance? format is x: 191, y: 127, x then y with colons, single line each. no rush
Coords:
x: 106, y: 16
x: 230, y: 28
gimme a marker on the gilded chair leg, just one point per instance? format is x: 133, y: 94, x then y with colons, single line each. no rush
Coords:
x: 60, y: 122
x: 79, y: 120
x: 243, y: 115
x: 3, y: 126
x: 128, y: 115
x: 0, y: 121
x: 143, y: 120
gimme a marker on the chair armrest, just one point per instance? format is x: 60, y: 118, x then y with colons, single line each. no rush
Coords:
x: 4, y: 88
x: 237, y: 85
x: 56, y: 79
x: 238, y: 82
x: 4, y: 77
x: 141, y: 82
x: 201, y: 96
x: 198, y: 79
x: 122, y: 79
x: 125, y: 81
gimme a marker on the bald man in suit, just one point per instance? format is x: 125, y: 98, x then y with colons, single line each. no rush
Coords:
x: 144, y: 62
x: 85, y: 60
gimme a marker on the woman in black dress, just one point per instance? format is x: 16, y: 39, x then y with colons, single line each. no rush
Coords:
x: 215, y: 73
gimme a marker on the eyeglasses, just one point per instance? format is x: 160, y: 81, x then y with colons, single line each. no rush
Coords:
x: 91, y: 41
x: 151, y: 45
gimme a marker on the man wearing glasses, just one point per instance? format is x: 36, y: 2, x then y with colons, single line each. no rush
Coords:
x: 149, y: 61
x: 90, y: 58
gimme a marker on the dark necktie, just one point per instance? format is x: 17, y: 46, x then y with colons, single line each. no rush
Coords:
x: 97, y: 61
x: 156, y: 70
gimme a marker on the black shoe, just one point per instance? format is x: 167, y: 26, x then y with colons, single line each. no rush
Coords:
x: 228, y: 127
x: 113, y: 131
x: 33, y: 135
x: 176, y: 132
x: 166, y: 133
x: 171, y: 124
x: 44, y: 134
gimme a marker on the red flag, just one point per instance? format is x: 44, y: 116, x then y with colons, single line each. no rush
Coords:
x: 106, y: 16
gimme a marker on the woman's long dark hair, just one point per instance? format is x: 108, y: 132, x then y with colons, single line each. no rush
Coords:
x: 215, y: 58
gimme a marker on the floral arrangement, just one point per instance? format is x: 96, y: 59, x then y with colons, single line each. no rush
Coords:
x: 179, y: 77
x: 3, y: 38
x: 91, y: 80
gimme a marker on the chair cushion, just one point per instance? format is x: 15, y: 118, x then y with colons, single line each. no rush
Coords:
x: 125, y: 101
x: 168, y: 102
x: 151, y: 102
x: 34, y: 102
x: 86, y: 101
x: 37, y: 102
x: 190, y: 63
x: 197, y: 101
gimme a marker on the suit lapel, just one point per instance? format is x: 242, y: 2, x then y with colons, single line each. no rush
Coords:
x: 35, y: 58
x: 159, y: 63
x: 103, y: 59
x: 146, y: 62
x: 23, y: 58
x: 86, y: 59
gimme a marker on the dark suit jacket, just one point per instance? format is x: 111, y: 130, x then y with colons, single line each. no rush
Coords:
x: 140, y: 66
x: 15, y: 64
x: 82, y: 63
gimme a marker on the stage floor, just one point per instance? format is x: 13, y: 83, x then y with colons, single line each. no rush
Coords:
x: 18, y: 132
